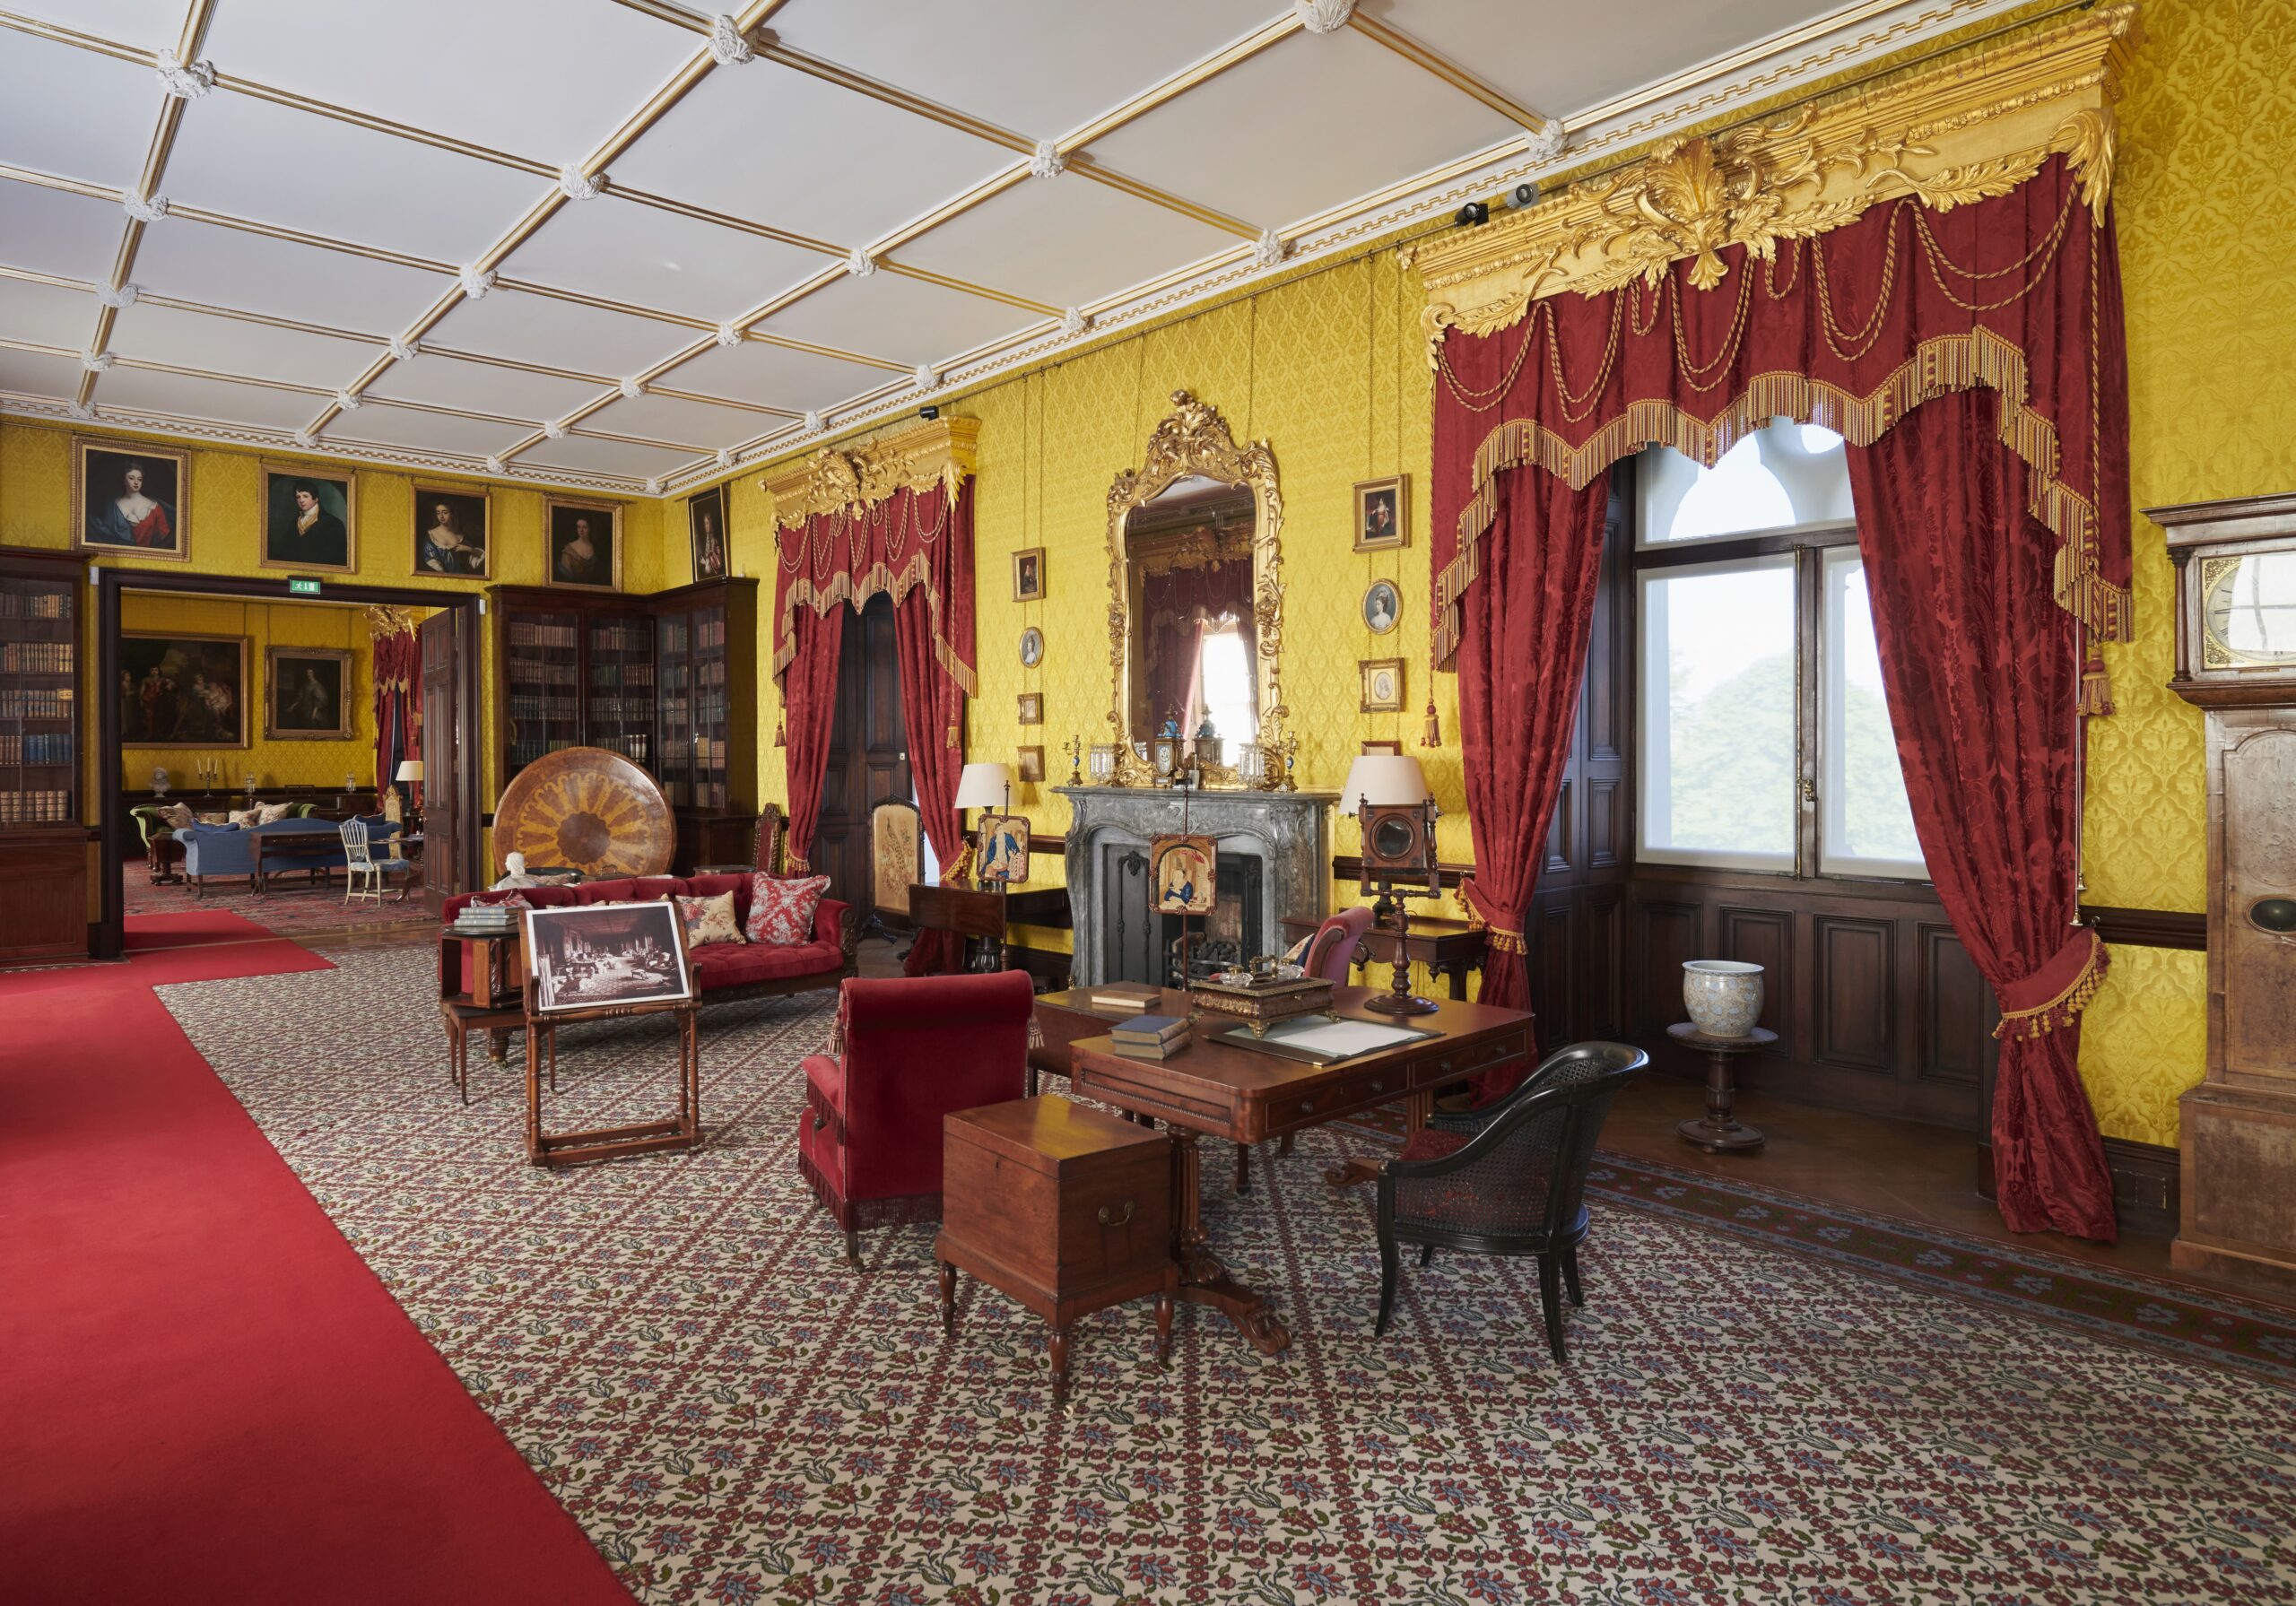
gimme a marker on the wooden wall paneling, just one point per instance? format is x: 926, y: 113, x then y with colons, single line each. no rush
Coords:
x: 1953, y: 1009
x: 1666, y: 935
x: 1602, y: 957
x: 1853, y: 987
x: 1763, y: 937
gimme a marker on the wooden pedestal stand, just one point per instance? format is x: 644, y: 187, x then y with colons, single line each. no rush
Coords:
x: 682, y: 1131
x: 1718, y: 1131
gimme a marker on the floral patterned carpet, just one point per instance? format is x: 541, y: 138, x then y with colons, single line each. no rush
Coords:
x: 736, y: 1417
x: 295, y: 906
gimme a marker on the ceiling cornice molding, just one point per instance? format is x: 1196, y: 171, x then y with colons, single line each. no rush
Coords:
x: 1960, y: 132
x: 140, y: 423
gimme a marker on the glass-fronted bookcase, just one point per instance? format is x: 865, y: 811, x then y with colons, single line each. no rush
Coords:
x: 43, y: 841
x: 668, y: 680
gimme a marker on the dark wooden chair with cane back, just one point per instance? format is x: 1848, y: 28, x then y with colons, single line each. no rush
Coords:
x: 1509, y: 1179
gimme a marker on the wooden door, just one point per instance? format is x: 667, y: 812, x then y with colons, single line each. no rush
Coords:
x: 869, y: 754
x: 448, y: 742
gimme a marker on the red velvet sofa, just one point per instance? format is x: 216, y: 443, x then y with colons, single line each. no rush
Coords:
x: 912, y: 1050
x: 721, y: 970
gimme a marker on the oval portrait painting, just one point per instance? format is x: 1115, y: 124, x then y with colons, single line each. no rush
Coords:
x: 1382, y: 607
x: 1032, y: 647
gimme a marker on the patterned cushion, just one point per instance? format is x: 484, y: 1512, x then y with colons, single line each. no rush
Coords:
x: 271, y: 813
x: 179, y: 816
x: 709, y: 921
x: 245, y: 817
x: 211, y: 820
x: 508, y: 900
x: 781, y: 912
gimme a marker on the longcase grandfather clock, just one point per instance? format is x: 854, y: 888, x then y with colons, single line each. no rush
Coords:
x: 2236, y: 660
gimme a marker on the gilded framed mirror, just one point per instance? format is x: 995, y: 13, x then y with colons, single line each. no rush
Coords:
x: 1196, y: 599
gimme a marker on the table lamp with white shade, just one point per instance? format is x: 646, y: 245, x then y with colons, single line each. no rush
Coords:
x: 410, y: 771
x: 1390, y: 799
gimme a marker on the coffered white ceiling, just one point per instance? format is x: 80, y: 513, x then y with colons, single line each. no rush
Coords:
x: 367, y: 230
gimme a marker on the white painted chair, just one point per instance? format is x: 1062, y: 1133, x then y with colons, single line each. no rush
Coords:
x: 365, y: 875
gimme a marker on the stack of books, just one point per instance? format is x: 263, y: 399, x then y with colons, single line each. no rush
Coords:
x: 1132, y: 998
x: 1151, y: 1036
x: 483, y: 920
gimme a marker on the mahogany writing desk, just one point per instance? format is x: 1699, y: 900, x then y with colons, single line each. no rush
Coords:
x: 1217, y: 1089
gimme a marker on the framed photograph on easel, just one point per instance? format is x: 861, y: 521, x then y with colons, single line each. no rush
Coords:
x: 1184, y: 872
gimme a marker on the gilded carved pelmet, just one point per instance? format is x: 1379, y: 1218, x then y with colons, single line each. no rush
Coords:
x: 844, y: 532
x: 1719, y: 266
x: 1959, y: 133
x: 832, y: 482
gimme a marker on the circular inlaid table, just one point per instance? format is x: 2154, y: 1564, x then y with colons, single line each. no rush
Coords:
x: 1719, y: 1131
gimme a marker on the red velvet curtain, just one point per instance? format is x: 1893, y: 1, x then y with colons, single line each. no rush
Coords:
x: 398, y: 710
x: 917, y: 546
x: 2017, y: 297
x: 809, y: 715
x: 1982, y: 669
x: 1522, y: 661
x: 932, y: 712
x: 1176, y: 603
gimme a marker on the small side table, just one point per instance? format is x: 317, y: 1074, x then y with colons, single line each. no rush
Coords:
x: 1718, y: 1131
x: 461, y: 1019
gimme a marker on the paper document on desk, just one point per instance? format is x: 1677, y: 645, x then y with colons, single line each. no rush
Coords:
x: 1340, y: 1039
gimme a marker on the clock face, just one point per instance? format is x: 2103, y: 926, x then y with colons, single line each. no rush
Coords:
x: 2248, y: 612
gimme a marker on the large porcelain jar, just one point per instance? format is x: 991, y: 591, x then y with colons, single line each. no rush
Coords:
x: 1724, y: 996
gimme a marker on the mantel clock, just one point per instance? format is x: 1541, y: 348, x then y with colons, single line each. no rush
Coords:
x: 2236, y: 660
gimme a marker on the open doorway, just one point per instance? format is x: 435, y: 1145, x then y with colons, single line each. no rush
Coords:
x: 254, y: 710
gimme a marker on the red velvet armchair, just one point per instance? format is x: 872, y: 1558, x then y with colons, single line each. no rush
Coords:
x: 911, y: 1049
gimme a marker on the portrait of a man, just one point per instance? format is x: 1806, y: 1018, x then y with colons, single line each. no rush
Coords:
x: 450, y: 535
x: 310, y: 519
x: 1004, y: 849
x: 307, y: 694
x: 586, y: 545
x: 1028, y: 575
x: 704, y: 517
x: 129, y: 500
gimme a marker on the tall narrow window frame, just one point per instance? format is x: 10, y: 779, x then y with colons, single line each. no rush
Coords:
x: 1820, y: 551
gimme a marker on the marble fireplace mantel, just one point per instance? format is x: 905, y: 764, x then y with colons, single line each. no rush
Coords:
x: 1289, y: 832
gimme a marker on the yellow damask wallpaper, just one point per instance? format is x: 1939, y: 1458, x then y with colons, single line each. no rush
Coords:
x: 263, y: 624
x: 2208, y: 220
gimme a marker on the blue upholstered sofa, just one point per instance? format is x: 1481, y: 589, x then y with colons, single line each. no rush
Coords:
x: 224, y: 850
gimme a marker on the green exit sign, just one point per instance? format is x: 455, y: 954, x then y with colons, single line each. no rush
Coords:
x: 302, y: 585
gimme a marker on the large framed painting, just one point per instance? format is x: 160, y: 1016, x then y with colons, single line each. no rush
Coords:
x: 129, y: 499
x: 451, y: 533
x: 182, y: 690
x: 585, y: 544
x: 310, y: 520
x: 606, y: 956
x: 1184, y: 872
x: 705, y: 522
x: 307, y: 693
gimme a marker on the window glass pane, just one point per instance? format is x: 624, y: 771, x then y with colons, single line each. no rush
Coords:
x: 1781, y: 476
x: 1228, y: 696
x: 1717, y: 694
x: 1866, y: 826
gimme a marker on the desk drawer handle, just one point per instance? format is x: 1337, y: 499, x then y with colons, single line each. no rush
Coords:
x: 1378, y: 1086
x: 1307, y: 1107
x: 1110, y: 1218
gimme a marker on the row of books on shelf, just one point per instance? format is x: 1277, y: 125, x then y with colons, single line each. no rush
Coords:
x: 710, y: 632
x: 46, y: 702
x: 36, y: 658
x: 35, y: 604
x: 54, y: 748
x: 52, y: 806
x: 620, y: 638
x: 534, y: 672
x: 524, y: 632
x: 534, y: 705
x: 621, y: 674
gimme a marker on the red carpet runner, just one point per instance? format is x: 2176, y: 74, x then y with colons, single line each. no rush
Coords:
x: 208, y: 1396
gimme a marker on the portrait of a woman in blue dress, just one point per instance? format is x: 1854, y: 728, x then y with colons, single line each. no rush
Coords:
x: 130, y: 500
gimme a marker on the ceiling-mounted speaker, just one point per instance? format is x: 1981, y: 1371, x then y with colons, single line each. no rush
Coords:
x: 1473, y: 215
x: 1522, y: 196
